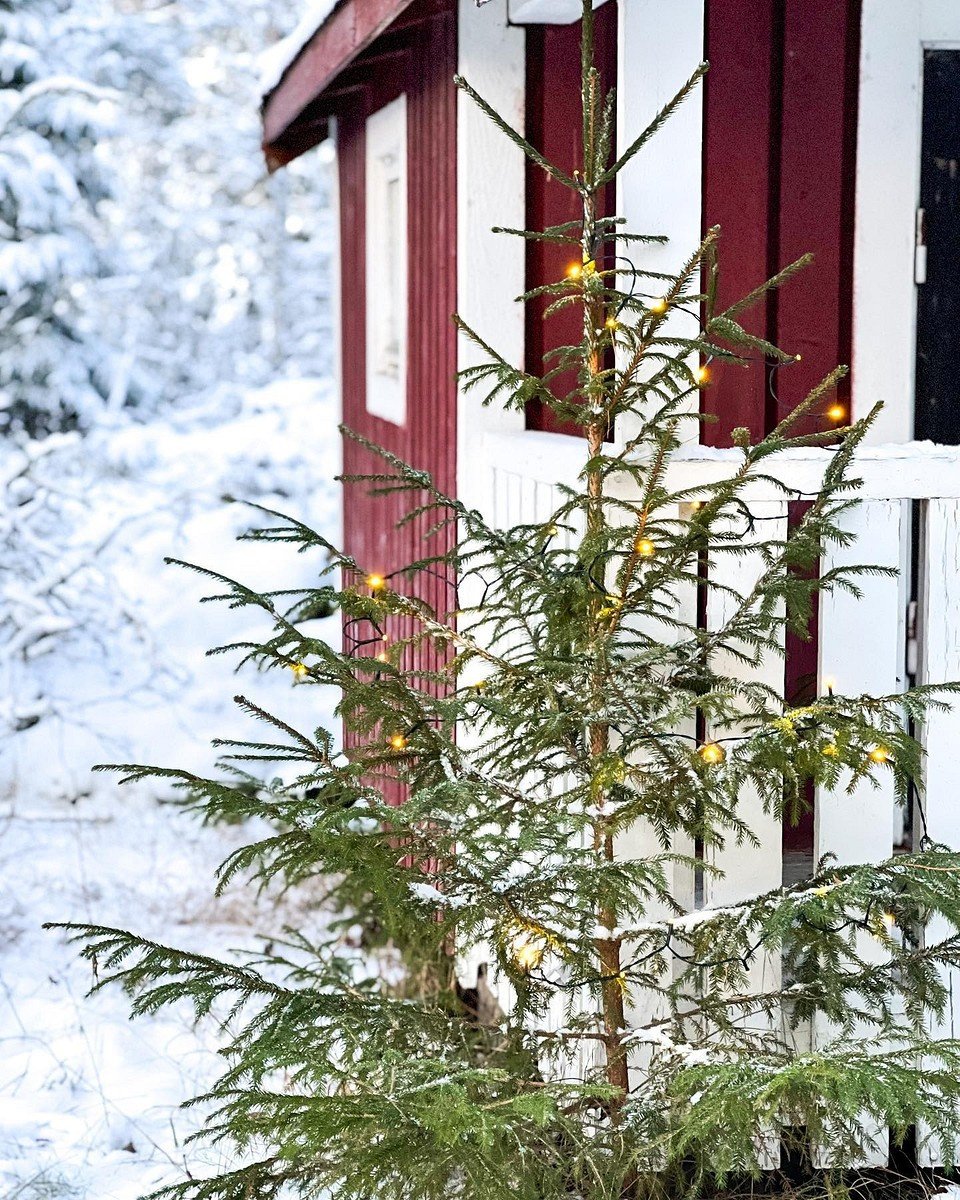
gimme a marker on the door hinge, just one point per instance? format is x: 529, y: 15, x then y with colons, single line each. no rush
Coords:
x: 920, y: 248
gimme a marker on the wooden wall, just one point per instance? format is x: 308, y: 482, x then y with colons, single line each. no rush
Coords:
x: 779, y: 178
x: 419, y: 58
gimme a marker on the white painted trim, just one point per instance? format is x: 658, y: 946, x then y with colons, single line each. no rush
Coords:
x: 660, y: 191
x: 387, y: 240
x: 336, y: 307
x: 893, y: 38
x: 546, y: 12
x: 913, y: 470
x: 490, y: 191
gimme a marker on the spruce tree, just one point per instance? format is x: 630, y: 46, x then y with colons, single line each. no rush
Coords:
x: 620, y: 1046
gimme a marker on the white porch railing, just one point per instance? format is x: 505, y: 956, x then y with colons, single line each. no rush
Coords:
x: 863, y: 643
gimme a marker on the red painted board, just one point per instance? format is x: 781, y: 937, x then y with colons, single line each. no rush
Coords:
x: 739, y: 166
x: 555, y: 126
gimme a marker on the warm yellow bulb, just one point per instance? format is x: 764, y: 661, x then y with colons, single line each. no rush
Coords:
x: 712, y: 753
x: 300, y: 671
x: 376, y: 582
x: 398, y: 741
x: 836, y: 412
x: 612, y: 323
x: 829, y: 684
x: 879, y: 754
x: 644, y: 547
x: 383, y: 657
x: 658, y: 306
x: 830, y: 750
x: 527, y: 950
x: 702, y: 375
x: 575, y: 270
x: 889, y: 921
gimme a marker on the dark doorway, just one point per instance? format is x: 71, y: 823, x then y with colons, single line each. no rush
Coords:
x: 938, y: 253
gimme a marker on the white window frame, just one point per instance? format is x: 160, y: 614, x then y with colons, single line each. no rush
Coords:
x: 386, y: 262
x: 894, y: 36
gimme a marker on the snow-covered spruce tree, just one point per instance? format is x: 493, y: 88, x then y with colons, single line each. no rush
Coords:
x: 562, y: 720
x: 54, y: 372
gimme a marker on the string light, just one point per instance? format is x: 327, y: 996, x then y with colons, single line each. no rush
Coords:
x: 712, y: 753
x: 879, y: 754
x: 658, y: 306
x: 398, y: 741
x: 644, y: 547
x: 300, y: 671
x: 579, y: 270
x: 830, y: 750
x: 612, y: 323
x: 702, y: 375
x: 383, y: 657
x: 829, y: 682
x: 889, y: 921
x: 836, y: 413
x: 527, y: 949
x: 376, y: 582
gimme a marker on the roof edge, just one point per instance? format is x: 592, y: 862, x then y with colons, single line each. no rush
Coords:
x: 349, y: 27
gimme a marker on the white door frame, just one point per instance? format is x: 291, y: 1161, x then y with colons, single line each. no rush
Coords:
x: 894, y: 35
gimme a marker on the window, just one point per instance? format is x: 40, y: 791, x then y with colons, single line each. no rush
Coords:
x: 386, y: 259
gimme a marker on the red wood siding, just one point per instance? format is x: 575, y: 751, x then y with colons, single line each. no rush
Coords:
x: 739, y: 170
x: 779, y: 157
x: 422, y: 64
x: 555, y: 126
x: 818, y: 160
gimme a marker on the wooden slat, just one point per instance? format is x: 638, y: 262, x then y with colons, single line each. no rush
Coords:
x: 748, y: 870
x: 940, y: 662
x: 861, y: 651
x: 739, y: 129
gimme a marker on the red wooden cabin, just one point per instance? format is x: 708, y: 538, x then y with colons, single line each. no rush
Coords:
x: 828, y: 126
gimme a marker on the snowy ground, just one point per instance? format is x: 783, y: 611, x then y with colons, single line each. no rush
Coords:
x: 88, y: 1100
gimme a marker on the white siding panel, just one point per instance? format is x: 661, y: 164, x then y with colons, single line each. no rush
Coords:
x: 940, y: 663
x: 748, y: 870
x: 861, y: 650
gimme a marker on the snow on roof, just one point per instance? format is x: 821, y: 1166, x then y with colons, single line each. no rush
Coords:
x: 275, y: 60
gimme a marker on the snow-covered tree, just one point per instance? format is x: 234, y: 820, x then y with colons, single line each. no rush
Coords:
x: 567, y: 708
x: 54, y: 372
x: 225, y: 273
x: 147, y: 264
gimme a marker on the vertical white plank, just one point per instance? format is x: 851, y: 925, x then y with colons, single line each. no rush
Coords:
x: 887, y: 185
x: 939, y: 663
x: 749, y: 870
x: 490, y: 191
x: 861, y: 651
x: 659, y: 191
